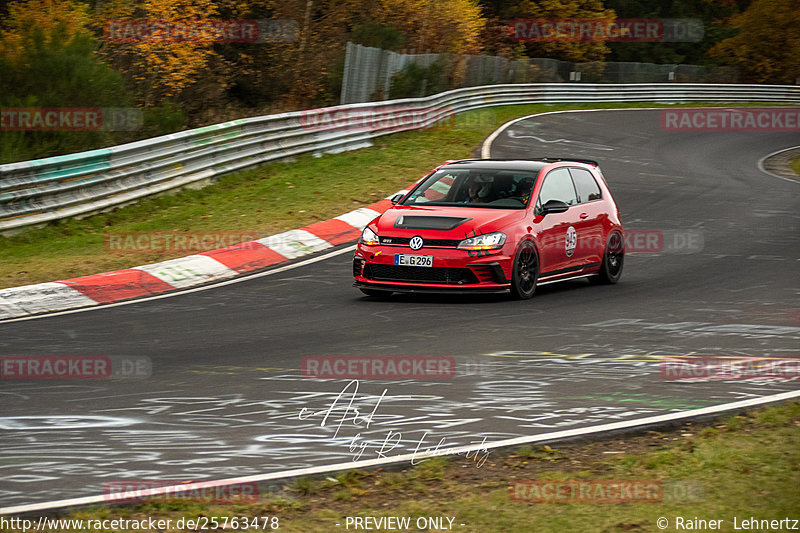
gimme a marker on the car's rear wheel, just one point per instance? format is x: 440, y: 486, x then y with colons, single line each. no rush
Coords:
x: 375, y: 292
x: 613, y: 259
x: 525, y: 273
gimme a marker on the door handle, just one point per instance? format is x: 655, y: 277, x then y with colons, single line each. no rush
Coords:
x: 584, y: 215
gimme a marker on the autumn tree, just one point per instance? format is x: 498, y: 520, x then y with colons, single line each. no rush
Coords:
x: 438, y: 26
x: 564, y: 49
x: 767, y: 47
x: 695, y: 53
x: 160, y: 68
x: 40, y: 19
x: 309, y: 63
x: 47, y: 59
x: 377, y: 35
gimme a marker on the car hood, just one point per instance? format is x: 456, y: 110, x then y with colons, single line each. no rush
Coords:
x: 444, y: 222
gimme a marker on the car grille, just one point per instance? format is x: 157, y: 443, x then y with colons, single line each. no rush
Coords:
x: 429, y: 243
x: 448, y: 276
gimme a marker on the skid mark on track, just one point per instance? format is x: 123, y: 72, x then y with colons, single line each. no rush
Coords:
x: 180, y: 434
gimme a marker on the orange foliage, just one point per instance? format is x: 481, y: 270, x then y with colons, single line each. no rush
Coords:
x: 46, y: 15
x: 767, y: 48
x: 449, y: 26
x: 566, y: 50
x: 161, y: 68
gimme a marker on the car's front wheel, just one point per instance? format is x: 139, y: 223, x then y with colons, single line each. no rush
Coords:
x: 525, y: 273
x: 613, y: 258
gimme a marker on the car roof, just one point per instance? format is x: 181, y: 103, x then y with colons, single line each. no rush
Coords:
x: 532, y: 165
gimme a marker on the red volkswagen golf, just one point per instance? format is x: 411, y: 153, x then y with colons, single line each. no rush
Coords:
x: 494, y: 225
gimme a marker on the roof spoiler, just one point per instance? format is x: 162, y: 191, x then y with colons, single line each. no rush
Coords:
x: 545, y: 159
x: 571, y: 159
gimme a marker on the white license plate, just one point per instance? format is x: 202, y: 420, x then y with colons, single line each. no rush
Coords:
x: 413, y: 260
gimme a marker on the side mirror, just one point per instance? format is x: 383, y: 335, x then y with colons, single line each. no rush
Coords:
x: 554, y: 206
x: 397, y: 197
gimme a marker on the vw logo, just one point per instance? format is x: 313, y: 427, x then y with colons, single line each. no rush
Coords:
x: 415, y: 243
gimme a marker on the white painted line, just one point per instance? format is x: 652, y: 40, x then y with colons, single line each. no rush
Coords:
x: 246, y: 277
x: 760, y: 165
x: 557, y: 435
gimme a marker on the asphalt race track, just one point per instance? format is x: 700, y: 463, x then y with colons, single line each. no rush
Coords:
x: 225, y: 395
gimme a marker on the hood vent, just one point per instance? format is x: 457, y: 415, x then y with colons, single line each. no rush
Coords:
x: 429, y: 222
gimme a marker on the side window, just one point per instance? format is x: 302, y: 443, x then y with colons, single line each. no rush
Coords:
x: 585, y: 184
x: 558, y: 186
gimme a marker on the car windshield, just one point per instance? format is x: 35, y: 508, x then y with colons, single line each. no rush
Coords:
x: 505, y: 189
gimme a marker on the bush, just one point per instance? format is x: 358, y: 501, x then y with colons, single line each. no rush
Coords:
x: 416, y: 81
x: 59, y: 72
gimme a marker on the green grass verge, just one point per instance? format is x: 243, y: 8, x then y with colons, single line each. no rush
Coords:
x: 744, y: 466
x: 262, y: 201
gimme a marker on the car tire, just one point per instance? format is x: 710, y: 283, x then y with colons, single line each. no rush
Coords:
x: 375, y: 293
x: 525, y: 272
x: 613, y: 259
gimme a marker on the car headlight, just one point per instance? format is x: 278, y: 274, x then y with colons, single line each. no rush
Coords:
x: 369, y: 237
x: 488, y: 241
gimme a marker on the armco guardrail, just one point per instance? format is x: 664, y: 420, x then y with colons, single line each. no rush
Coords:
x: 39, y: 191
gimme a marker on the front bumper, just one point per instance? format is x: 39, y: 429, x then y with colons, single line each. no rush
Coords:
x: 410, y: 288
x: 452, y: 271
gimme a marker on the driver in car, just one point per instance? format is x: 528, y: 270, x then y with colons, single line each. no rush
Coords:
x: 477, y: 192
